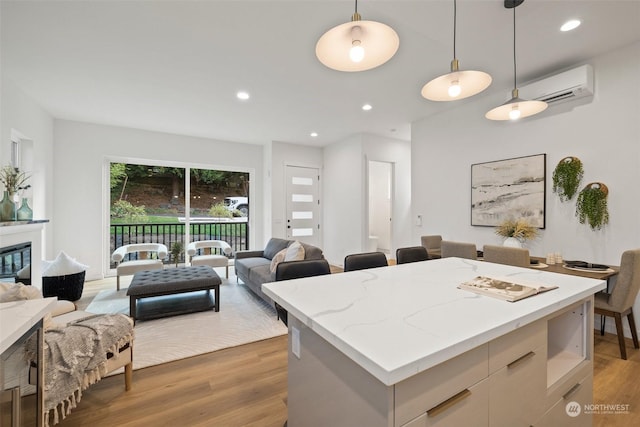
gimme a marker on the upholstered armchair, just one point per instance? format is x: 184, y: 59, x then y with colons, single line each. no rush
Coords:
x: 214, y: 253
x: 142, y: 261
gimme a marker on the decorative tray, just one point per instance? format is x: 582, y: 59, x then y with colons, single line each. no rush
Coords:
x: 586, y: 266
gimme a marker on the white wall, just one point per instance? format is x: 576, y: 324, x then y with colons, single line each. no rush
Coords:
x: 22, y: 114
x: 380, y: 182
x: 398, y: 153
x: 81, y: 152
x: 344, y: 194
x: 282, y: 155
x: 604, y: 134
x: 346, y: 228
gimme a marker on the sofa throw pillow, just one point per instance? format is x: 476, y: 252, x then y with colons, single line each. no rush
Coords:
x: 277, y: 259
x: 63, y: 265
x: 274, y: 246
x: 295, y: 252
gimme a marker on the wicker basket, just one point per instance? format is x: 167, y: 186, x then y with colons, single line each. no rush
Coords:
x: 68, y: 287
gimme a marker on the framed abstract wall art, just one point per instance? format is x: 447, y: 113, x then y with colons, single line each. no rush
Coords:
x: 509, y: 189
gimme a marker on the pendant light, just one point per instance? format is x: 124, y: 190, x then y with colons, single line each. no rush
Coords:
x: 516, y: 107
x: 456, y: 84
x: 357, y: 45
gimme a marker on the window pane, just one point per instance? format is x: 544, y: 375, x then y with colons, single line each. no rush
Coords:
x: 302, y: 198
x: 301, y: 215
x: 297, y: 180
x: 302, y: 232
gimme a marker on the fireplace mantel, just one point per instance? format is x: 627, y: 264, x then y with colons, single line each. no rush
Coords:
x: 15, y: 232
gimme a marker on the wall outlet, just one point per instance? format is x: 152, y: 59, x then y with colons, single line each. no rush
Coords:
x: 295, y: 341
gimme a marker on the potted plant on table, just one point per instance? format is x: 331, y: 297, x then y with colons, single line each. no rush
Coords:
x: 516, y: 232
x: 176, y: 252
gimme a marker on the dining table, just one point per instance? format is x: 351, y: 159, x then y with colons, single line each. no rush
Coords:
x: 562, y: 268
x: 606, y: 275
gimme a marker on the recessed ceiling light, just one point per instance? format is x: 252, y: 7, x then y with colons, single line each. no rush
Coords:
x: 367, y: 107
x: 570, y: 25
x: 242, y: 95
x: 314, y: 134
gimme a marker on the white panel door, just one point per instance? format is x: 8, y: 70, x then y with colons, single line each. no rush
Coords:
x: 303, y: 204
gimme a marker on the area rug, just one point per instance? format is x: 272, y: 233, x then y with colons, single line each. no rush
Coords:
x: 243, y: 318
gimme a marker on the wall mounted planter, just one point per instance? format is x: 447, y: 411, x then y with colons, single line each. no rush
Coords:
x: 566, y: 178
x: 591, y: 205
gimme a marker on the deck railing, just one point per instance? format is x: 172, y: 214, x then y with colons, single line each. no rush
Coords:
x: 234, y: 233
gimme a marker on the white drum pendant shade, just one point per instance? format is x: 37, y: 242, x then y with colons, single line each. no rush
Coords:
x: 379, y: 42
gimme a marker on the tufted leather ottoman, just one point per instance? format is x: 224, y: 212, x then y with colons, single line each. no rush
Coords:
x: 178, y: 288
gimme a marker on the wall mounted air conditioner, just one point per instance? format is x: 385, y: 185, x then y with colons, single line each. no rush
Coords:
x: 562, y: 87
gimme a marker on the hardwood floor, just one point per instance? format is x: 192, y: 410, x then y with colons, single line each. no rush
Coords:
x: 240, y: 386
x: 615, y: 382
x: 247, y: 386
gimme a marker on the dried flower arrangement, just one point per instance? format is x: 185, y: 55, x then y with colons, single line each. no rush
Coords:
x: 13, y: 180
x: 519, y: 229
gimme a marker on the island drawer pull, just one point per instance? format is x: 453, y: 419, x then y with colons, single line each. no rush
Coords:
x: 441, y: 407
x: 520, y: 359
x: 572, y: 390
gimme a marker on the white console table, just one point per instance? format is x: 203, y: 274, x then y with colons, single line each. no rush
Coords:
x: 403, y: 346
x: 18, y: 321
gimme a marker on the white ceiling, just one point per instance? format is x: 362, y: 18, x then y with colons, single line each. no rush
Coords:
x: 175, y: 66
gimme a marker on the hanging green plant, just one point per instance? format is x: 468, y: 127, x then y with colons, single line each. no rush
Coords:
x: 566, y: 178
x: 591, y: 205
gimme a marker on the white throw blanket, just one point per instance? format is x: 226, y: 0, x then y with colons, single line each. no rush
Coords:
x: 75, y: 357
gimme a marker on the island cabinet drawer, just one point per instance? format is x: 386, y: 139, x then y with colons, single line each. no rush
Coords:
x: 426, y: 390
x: 508, y: 348
x: 467, y: 408
x: 572, y: 409
x: 517, y: 391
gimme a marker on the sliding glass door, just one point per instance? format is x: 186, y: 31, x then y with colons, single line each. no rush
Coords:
x: 174, y: 206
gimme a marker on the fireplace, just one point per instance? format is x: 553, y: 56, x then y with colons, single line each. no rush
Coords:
x: 14, y: 255
x: 13, y: 259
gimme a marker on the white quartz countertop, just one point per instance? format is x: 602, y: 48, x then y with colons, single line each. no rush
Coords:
x: 16, y: 318
x: 399, y: 320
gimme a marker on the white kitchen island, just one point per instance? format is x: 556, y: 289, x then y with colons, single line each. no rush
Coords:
x: 403, y: 346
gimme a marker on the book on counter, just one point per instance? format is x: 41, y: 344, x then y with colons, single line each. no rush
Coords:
x: 507, y: 289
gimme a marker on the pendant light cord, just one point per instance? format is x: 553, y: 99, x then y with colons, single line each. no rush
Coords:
x: 356, y: 6
x: 515, y: 86
x: 455, y: 20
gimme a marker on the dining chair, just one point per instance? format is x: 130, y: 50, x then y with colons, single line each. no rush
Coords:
x: 411, y: 254
x: 287, y: 270
x: 458, y: 249
x: 619, y: 303
x: 518, y: 257
x: 365, y: 260
x: 432, y: 243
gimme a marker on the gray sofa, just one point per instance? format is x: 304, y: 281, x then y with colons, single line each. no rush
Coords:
x: 254, y: 267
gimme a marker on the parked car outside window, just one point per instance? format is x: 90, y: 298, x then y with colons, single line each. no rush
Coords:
x: 237, y: 204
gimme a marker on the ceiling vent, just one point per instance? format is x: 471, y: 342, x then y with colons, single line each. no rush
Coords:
x: 562, y: 87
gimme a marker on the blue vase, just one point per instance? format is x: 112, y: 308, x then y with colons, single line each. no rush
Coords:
x: 24, y: 213
x: 7, y: 208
